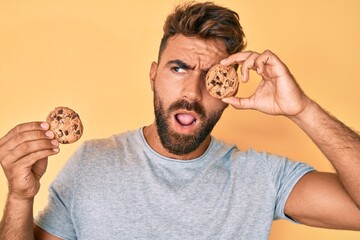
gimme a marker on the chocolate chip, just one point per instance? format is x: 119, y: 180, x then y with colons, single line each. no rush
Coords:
x: 58, y: 118
x: 78, y: 132
x: 66, y: 132
x: 60, y: 111
x: 60, y: 133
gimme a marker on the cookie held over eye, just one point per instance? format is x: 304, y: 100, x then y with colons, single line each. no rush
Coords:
x: 222, y: 81
x: 66, y: 124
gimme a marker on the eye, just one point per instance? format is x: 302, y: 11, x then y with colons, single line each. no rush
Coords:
x: 178, y: 70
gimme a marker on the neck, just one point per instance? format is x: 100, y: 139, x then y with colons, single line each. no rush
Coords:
x: 153, y: 139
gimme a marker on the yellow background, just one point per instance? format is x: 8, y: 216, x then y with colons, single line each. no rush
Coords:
x: 94, y: 56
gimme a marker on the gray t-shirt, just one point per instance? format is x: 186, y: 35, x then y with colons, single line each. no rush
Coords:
x: 119, y: 188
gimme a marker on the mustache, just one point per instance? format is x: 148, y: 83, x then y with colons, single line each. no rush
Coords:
x: 189, y: 106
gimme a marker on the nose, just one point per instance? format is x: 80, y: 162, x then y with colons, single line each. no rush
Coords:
x: 192, y: 87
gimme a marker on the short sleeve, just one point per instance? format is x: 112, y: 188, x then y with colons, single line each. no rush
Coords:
x: 56, y: 217
x: 286, y: 174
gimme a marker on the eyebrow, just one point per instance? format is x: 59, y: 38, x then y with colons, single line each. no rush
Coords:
x: 180, y: 63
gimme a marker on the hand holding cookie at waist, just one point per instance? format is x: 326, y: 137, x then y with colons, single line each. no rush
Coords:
x: 66, y: 125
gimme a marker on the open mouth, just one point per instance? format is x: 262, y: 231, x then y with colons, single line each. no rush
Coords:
x: 185, y: 119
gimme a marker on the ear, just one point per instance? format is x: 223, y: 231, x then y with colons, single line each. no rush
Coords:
x: 152, y: 75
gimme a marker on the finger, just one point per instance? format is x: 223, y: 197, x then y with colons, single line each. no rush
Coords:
x: 236, y: 58
x: 27, y: 148
x: 247, y: 65
x: 24, y: 127
x: 28, y: 136
x: 39, y: 167
x: 239, y: 103
x: 260, y: 63
x: 267, y: 57
x: 270, y: 59
x: 28, y: 161
x: 23, y: 137
x: 245, y: 59
x: 32, y: 158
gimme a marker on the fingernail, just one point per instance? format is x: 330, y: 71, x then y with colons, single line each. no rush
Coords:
x: 44, y: 125
x: 55, y: 142
x: 49, y: 134
x: 224, y: 60
x: 56, y: 149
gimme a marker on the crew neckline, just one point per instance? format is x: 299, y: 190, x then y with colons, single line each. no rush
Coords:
x: 152, y: 151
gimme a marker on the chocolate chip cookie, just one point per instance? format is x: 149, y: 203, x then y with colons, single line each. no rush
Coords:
x: 66, y: 124
x: 222, y: 81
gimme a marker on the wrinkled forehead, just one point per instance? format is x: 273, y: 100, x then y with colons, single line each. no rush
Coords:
x: 196, y: 52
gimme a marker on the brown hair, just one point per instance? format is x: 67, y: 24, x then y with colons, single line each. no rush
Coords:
x: 206, y: 21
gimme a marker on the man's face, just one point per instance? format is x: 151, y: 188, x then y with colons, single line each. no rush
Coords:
x: 185, y: 112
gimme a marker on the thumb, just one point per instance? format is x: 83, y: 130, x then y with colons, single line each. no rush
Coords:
x: 239, y: 103
x: 39, y: 167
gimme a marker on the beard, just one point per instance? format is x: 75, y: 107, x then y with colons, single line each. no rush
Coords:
x: 181, y: 144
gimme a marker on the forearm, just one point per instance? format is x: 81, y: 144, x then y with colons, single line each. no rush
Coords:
x: 17, y: 221
x: 339, y: 143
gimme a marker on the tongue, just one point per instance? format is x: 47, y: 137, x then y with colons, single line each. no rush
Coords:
x: 185, y: 119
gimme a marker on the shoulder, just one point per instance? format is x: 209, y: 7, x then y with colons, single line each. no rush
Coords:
x: 231, y: 152
x: 111, y: 143
x: 100, y: 151
x: 103, y: 155
x: 249, y: 160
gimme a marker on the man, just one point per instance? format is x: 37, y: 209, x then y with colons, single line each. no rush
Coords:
x: 171, y: 179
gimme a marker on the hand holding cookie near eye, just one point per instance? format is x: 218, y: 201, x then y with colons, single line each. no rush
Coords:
x: 66, y: 125
x: 222, y: 81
